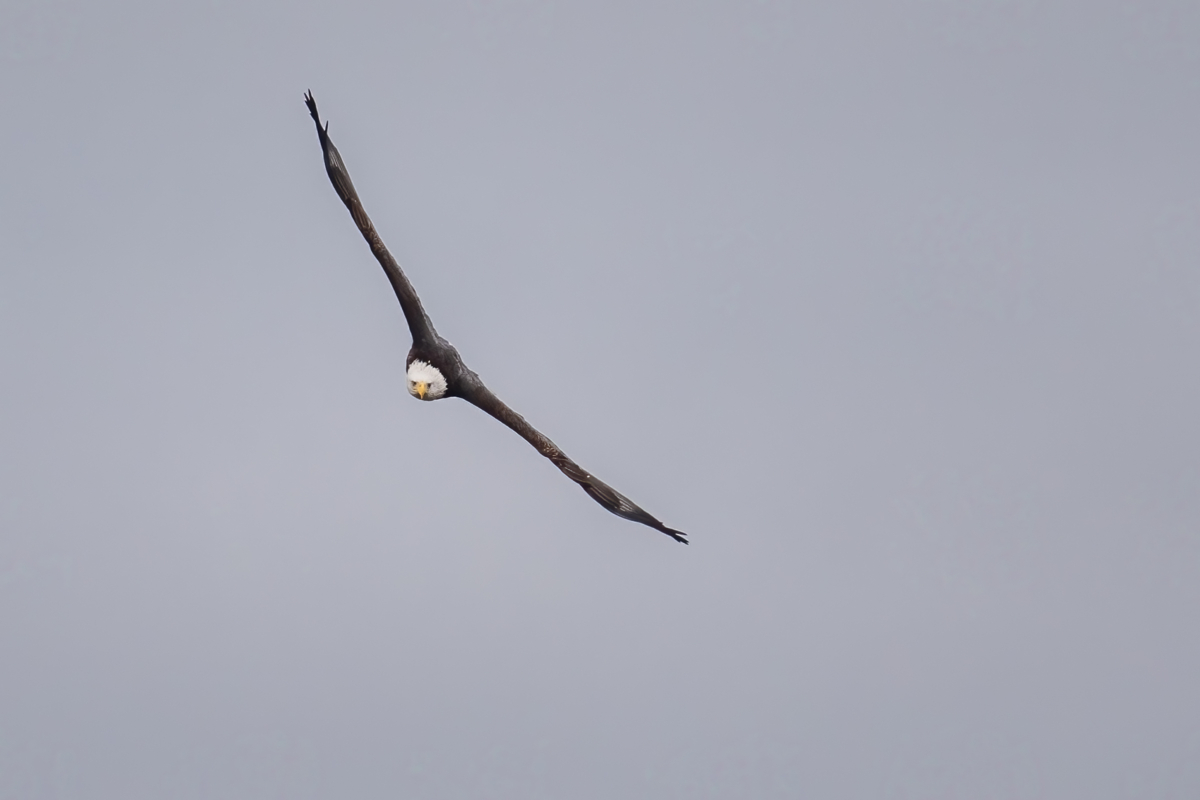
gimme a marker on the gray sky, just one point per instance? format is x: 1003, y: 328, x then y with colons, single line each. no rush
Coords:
x: 894, y: 307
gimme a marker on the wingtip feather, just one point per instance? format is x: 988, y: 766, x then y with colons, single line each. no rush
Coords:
x: 678, y: 536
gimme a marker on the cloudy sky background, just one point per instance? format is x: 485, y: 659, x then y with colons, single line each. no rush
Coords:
x: 894, y: 307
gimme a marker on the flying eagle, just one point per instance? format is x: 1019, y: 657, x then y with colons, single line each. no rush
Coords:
x: 436, y: 370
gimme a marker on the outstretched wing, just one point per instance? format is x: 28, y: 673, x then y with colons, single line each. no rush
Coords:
x: 477, y: 394
x: 418, y: 321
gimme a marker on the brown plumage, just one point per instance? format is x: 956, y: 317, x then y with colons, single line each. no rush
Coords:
x: 430, y: 350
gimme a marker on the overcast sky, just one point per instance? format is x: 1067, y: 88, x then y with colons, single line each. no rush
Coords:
x: 893, y: 307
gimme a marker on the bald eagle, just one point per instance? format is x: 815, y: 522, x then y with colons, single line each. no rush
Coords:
x: 435, y: 370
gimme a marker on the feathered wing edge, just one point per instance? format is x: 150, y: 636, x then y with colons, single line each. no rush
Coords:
x: 419, y: 323
x: 481, y: 397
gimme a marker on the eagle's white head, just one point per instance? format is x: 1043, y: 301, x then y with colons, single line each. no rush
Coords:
x: 425, y: 381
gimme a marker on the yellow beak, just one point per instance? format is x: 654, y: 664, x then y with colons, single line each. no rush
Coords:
x: 422, y: 388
